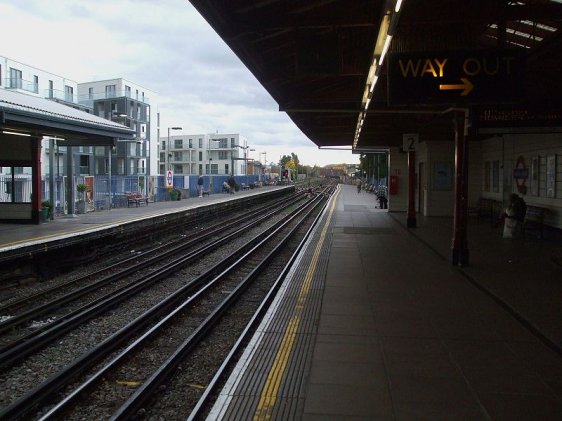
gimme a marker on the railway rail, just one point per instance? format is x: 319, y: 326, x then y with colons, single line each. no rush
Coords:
x: 191, y: 307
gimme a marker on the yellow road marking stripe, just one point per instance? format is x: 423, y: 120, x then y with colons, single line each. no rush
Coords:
x: 270, y: 391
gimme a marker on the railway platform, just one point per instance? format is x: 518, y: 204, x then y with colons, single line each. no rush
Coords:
x: 374, y: 323
x: 14, y: 236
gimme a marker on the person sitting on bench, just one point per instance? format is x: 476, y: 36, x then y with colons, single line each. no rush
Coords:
x: 513, y: 216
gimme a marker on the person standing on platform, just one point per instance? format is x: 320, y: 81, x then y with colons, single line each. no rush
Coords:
x: 231, y: 184
x: 200, y: 186
x: 358, y: 184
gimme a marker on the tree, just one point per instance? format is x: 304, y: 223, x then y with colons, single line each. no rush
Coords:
x: 374, y: 166
x: 284, y: 159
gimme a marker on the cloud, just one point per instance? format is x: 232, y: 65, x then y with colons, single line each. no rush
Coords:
x: 166, y: 47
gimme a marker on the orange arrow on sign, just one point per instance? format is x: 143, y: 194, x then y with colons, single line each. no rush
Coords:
x: 466, y: 86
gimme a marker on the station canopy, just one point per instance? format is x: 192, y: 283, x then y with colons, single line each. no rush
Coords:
x: 337, y: 67
x: 31, y: 115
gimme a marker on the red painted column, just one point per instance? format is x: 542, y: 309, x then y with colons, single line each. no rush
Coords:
x: 411, y: 219
x: 35, y: 146
x: 460, y: 253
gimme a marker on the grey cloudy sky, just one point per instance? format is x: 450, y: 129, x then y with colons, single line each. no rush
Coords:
x: 166, y: 47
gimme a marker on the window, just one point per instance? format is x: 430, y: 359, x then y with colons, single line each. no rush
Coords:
x: 142, y: 97
x: 148, y: 114
x: 200, y: 143
x: 68, y: 93
x: 190, y: 143
x: 127, y: 91
x: 36, y: 84
x: 487, y: 176
x: 214, y: 168
x: 178, y: 156
x: 51, y: 89
x: 200, y: 156
x: 223, y: 155
x: 496, y: 176
x: 137, y: 94
x: 110, y: 91
x: 15, y: 78
x: 226, y: 168
x: 232, y: 143
x: 90, y: 93
x: 178, y: 143
x: 223, y: 143
x: 84, y: 164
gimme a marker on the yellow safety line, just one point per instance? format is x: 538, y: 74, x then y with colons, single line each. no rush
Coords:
x: 269, y: 393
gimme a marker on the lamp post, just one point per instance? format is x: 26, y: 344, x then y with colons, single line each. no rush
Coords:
x: 210, y: 160
x: 168, y: 143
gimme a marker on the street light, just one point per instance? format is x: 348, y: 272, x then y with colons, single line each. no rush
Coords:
x: 209, y: 162
x: 168, y: 144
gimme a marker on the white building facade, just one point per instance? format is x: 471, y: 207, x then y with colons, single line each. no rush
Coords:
x: 204, y: 154
x: 132, y: 105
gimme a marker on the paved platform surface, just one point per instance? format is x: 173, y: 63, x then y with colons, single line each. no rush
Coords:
x: 398, y: 332
x: 17, y: 235
x: 401, y: 334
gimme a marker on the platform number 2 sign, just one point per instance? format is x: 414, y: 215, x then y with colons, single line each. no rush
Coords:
x: 410, y: 141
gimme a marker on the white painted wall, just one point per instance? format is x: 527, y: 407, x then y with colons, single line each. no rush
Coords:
x: 28, y: 72
x: 507, y: 149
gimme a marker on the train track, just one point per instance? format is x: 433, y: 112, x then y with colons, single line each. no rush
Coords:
x: 199, y: 304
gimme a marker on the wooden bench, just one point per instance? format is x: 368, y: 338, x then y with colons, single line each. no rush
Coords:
x: 534, y: 220
x: 136, y: 199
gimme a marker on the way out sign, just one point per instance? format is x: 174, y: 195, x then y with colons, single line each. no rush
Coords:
x: 169, y: 179
x: 471, y: 77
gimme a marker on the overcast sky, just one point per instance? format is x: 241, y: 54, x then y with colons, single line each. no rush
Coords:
x: 166, y: 47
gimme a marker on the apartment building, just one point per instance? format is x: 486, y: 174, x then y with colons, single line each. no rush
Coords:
x: 118, y: 100
x: 125, y: 102
x: 30, y: 80
x: 204, y: 154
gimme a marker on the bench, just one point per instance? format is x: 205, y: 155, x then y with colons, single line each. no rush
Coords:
x: 136, y: 199
x: 244, y: 186
x: 205, y: 193
x: 534, y: 220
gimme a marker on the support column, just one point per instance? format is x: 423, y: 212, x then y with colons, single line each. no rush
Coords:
x: 411, y: 220
x: 460, y: 253
x: 36, y: 198
x: 70, y: 186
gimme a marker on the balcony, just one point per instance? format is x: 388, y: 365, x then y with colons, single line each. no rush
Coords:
x: 88, y: 100
x: 57, y: 94
x: 20, y: 84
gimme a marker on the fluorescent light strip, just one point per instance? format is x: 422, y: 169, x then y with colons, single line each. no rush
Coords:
x: 385, y: 48
x: 16, y: 133
x: 398, y: 4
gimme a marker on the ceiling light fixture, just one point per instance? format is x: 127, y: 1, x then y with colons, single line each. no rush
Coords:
x: 16, y: 133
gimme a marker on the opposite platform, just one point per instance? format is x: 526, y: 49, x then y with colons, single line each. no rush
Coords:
x: 393, y: 332
x: 23, y: 235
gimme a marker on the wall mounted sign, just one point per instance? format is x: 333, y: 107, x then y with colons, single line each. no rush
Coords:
x: 535, y: 171
x: 521, y: 174
x: 471, y: 77
x: 551, y: 176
